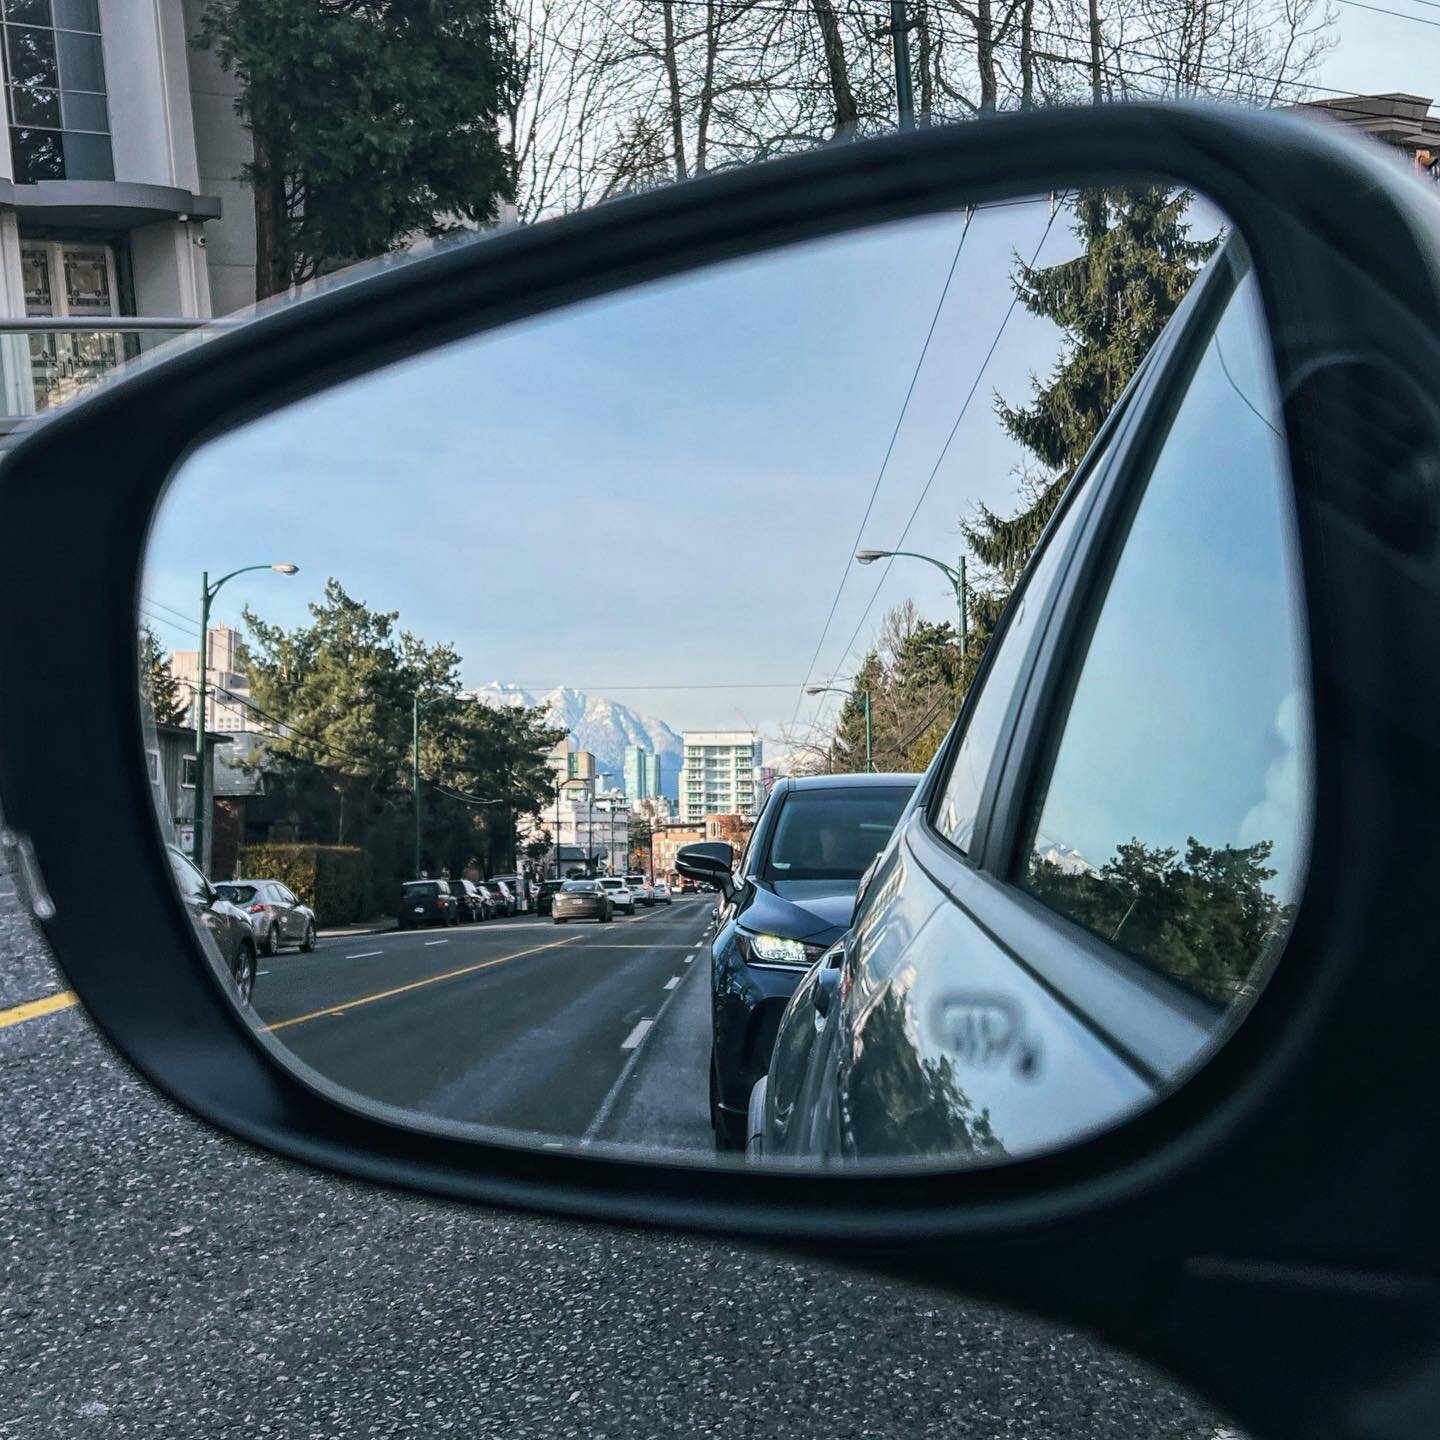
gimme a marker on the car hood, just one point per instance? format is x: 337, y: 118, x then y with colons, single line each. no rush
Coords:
x: 819, y: 918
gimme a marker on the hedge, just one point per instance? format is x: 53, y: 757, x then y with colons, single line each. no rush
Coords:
x: 328, y: 878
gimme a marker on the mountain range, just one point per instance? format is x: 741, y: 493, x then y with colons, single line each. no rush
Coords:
x: 604, y: 727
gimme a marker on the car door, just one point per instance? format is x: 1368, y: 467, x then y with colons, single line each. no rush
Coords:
x: 283, y: 904
x: 1104, y: 870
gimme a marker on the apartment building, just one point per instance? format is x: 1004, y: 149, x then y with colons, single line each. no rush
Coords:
x: 718, y: 775
x: 120, y: 188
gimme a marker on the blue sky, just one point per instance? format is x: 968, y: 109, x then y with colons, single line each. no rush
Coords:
x: 659, y: 489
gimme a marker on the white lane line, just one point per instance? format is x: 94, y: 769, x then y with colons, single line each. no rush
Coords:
x: 261, y: 972
x: 364, y: 954
x: 437, y: 942
x: 633, y: 1039
x: 613, y: 1093
x: 689, y: 958
x: 672, y: 982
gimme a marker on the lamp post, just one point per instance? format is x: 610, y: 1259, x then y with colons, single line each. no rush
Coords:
x: 863, y: 696
x: 955, y: 576
x: 208, y: 593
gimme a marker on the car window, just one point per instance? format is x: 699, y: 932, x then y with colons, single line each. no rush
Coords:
x: 959, y: 802
x: 190, y: 882
x: 831, y: 834
x: 425, y: 889
x: 1172, y: 822
x: 236, y: 894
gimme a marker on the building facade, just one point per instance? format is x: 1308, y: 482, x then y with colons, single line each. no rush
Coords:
x: 1404, y: 122
x: 227, y: 692
x: 172, y: 765
x: 121, y: 189
x: 720, y: 774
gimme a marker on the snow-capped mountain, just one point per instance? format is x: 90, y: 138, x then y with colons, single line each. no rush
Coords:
x: 604, y: 727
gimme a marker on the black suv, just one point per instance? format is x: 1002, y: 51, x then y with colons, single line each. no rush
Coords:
x: 427, y: 902
x: 791, y: 899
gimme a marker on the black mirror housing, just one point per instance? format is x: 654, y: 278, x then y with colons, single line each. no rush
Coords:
x: 710, y: 861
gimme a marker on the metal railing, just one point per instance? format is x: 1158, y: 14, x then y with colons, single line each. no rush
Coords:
x: 49, y: 360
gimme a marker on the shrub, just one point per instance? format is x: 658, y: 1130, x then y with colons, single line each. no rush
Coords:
x: 328, y: 878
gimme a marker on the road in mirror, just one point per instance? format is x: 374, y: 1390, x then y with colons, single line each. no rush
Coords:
x: 561, y: 687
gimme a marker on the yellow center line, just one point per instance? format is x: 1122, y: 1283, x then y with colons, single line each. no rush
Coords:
x: 34, y: 1009
x: 342, y: 1005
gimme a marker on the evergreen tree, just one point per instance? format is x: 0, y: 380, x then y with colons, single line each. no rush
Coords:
x: 372, y: 121
x: 1112, y: 301
x: 168, y: 701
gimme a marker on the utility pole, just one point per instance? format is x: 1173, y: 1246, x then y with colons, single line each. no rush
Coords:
x: 869, y: 734
x: 415, y: 777
x: 962, y: 593
x: 899, y: 32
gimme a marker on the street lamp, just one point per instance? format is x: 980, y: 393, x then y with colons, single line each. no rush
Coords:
x: 863, y: 696
x: 956, y: 578
x: 208, y: 593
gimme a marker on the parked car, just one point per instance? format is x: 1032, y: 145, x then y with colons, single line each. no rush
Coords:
x: 504, y: 896
x: 660, y: 893
x: 641, y: 888
x: 427, y: 902
x: 275, y: 915
x: 468, y: 900
x: 516, y: 885
x: 621, y: 895
x: 490, y: 905
x: 581, y: 900
x: 811, y: 844
x: 544, y: 893
x: 226, y: 924
x: 1124, y: 898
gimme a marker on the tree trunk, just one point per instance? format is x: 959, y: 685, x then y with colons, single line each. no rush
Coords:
x: 672, y: 76
x: 1096, y: 77
x: 985, y: 56
x: 847, y: 114
x: 707, y: 87
x: 272, y: 265
x: 1027, y: 54
x: 925, y: 62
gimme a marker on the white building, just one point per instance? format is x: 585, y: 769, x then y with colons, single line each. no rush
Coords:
x: 597, y: 826
x: 227, y: 690
x: 719, y: 774
x: 120, y: 188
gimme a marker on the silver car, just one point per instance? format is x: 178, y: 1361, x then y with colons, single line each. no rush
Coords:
x: 275, y: 915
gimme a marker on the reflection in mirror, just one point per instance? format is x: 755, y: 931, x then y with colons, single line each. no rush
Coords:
x: 560, y: 686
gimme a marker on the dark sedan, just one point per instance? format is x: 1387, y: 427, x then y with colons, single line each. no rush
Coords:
x: 545, y: 893
x: 793, y: 899
x: 581, y: 900
x: 427, y: 902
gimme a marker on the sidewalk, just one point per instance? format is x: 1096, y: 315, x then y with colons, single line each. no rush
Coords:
x: 361, y: 927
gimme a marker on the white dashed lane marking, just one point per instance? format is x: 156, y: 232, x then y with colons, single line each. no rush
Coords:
x: 672, y: 982
x: 437, y: 942
x: 364, y: 954
x: 641, y: 1030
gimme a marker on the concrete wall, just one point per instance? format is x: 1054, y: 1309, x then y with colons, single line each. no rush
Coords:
x: 148, y: 78
x: 222, y: 149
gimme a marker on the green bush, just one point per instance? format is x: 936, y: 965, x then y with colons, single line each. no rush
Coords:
x: 328, y: 878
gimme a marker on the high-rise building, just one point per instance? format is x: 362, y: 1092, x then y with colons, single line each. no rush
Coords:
x: 642, y: 773
x: 227, y: 693
x: 719, y: 774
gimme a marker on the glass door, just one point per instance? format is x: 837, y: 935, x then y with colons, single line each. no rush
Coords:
x: 65, y: 278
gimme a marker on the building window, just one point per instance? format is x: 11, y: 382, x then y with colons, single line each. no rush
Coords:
x: 68, y: 278
x: 55, y: 88
x: 187, y: 772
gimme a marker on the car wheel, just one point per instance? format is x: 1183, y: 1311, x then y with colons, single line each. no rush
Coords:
x: 308, y: 943
x: 558, y: 921
x: 271, y: 941
x: 245, y: 973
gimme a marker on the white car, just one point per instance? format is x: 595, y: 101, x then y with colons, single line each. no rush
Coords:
x: 622, y: 897
x: 644, y: 895
x: 661, y: 893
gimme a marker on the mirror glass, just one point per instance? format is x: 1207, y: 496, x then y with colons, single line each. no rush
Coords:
x: 765, y: 556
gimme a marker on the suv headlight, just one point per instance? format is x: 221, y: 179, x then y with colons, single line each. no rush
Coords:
x: 777, y: 949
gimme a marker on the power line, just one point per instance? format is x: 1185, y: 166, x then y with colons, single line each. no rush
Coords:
x: 885, y: 463
x: 949, y: 439
x: 1398, y: 14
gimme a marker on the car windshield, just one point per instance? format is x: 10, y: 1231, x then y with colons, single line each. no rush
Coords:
x: 831, y: 835
x: 422, y: 889
x: 236, y: 894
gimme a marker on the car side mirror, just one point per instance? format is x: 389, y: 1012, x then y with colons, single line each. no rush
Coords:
x: 712, y: 862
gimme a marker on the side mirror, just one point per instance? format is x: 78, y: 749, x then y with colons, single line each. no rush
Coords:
x: 712, y: 862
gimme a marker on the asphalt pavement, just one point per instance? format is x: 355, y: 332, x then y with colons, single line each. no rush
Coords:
x: 157, y: 1279
x: 575, y: 1033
